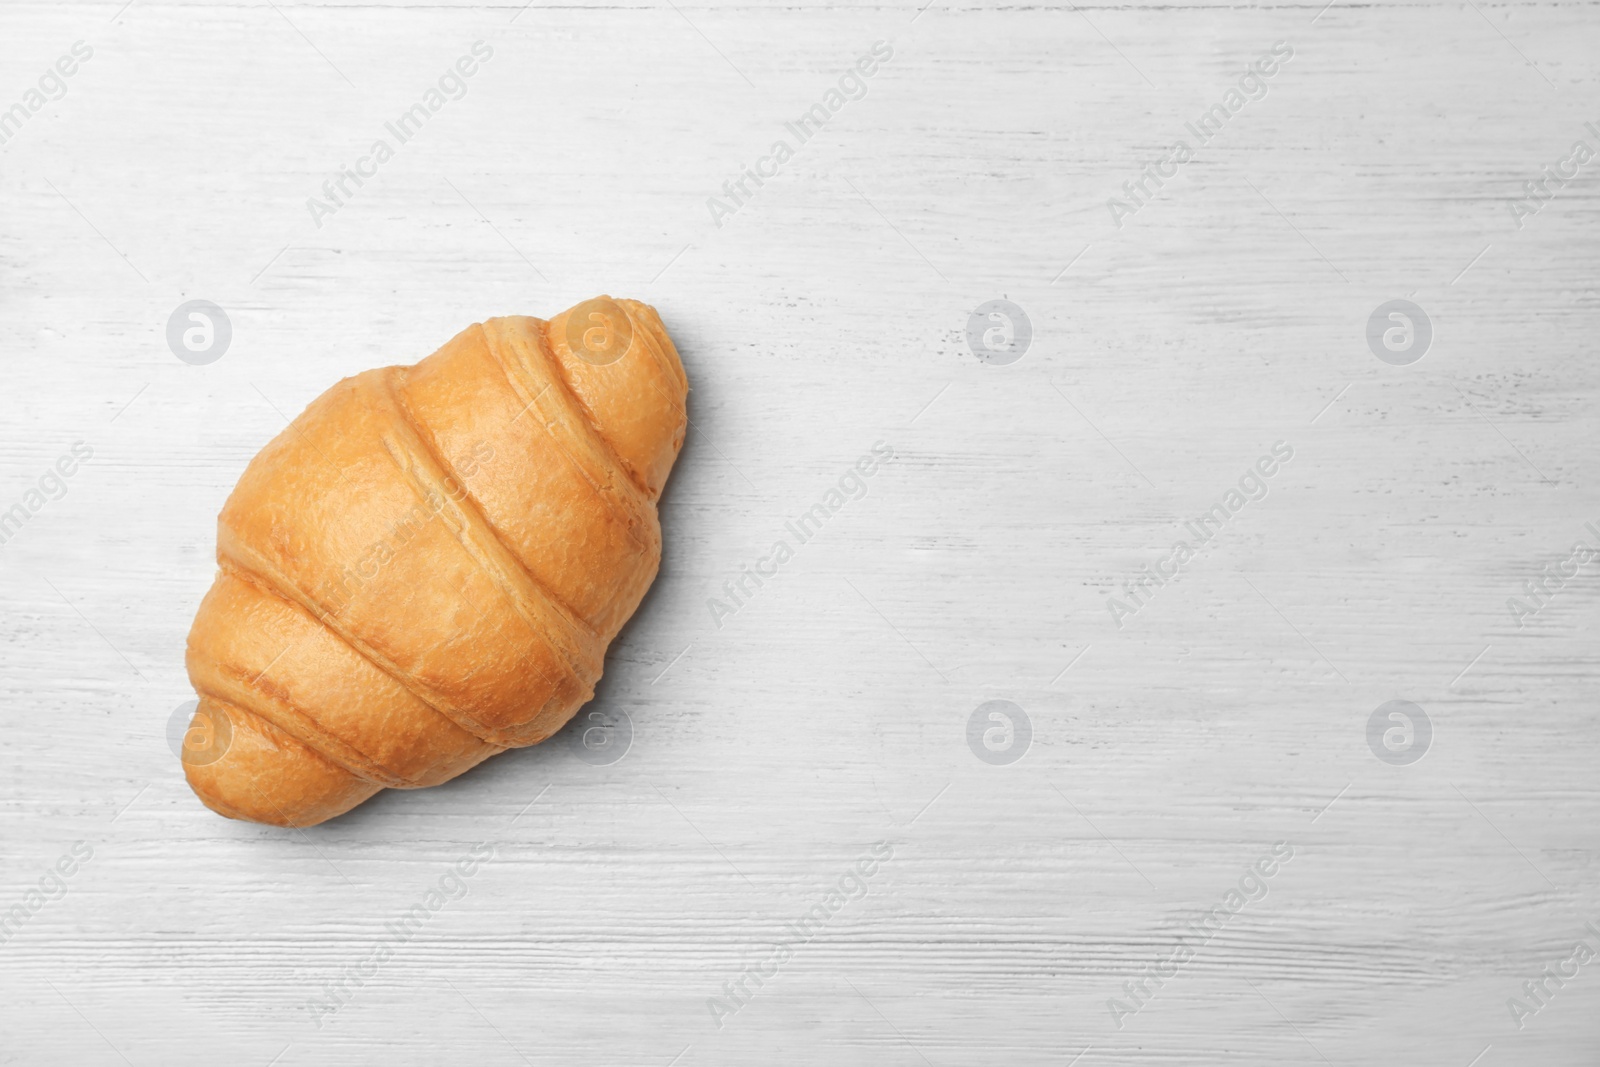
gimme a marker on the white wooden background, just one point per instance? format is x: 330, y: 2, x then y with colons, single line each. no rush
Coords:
x: 830, y: 713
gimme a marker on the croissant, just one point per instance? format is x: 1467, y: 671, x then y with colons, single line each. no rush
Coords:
x: 426, y: 566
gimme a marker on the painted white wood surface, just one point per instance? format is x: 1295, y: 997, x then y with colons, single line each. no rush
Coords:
x: 830, y: 712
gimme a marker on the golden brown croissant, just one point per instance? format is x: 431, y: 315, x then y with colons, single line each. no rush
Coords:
x: 425, y: 568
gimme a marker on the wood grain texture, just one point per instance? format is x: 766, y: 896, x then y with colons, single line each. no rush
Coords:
x: 830, y: 710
